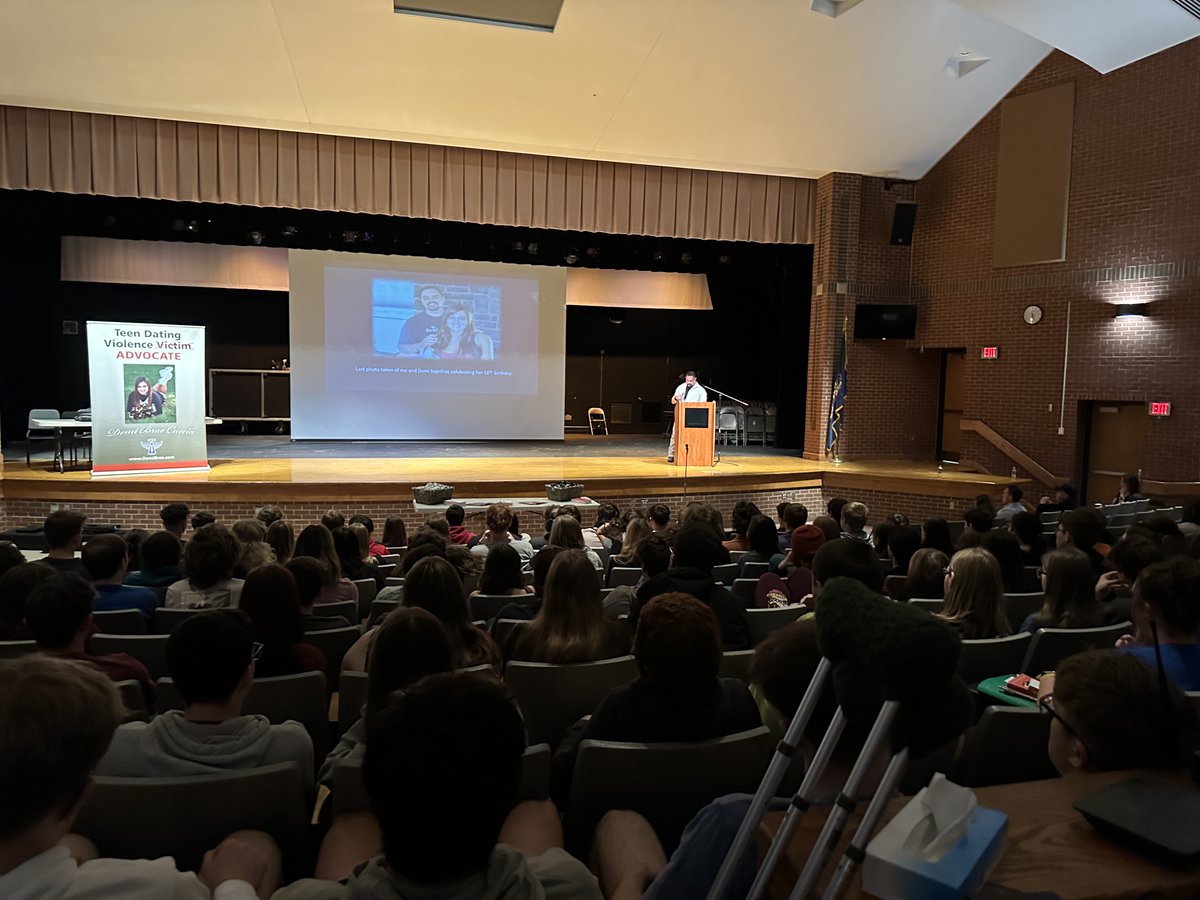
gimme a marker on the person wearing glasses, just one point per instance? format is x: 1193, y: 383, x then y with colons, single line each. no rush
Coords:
x: 211, y: 658
x: 974, y: 595
x: 1112, y: 712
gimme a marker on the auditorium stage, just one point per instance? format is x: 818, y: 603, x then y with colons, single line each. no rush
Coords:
x: 249, y: 470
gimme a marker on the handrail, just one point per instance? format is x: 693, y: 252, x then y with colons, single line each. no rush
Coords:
x: 1011, y: 450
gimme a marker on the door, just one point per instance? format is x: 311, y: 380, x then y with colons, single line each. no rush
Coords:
x: 1115, y: 441
x: 954, y: 364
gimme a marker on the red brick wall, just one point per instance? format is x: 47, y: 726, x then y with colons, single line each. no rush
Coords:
x: 1133, y: 235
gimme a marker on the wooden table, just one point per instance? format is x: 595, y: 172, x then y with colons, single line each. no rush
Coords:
x: 1050, y: 846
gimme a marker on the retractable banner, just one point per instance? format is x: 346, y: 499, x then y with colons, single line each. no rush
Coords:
x: 147, y: 398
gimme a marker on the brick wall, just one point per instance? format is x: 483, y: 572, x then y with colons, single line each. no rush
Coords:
x: 1133, y: 235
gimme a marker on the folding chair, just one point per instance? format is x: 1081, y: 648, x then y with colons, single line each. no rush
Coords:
x: 597, y: 422
x: 32, y: 433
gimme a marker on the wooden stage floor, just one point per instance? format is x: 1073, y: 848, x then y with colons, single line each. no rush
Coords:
x: 631, y: 467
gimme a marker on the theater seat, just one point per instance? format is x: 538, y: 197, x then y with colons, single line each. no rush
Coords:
x: 1006, y: 747
x: 554, y: 697
x: 987, y: 659
x: 1050, y: 646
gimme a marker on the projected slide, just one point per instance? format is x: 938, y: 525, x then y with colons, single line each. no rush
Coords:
x: 407, y: 348
x: 432, y: 331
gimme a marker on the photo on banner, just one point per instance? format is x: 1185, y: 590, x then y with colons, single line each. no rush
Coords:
x: 148, y: 397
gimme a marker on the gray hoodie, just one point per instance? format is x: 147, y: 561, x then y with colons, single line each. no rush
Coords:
x: 170, y: 746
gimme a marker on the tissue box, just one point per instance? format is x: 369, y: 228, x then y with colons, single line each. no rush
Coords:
x: 891, y: 872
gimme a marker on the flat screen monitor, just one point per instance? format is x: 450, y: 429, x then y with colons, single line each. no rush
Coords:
x: 873, y: 321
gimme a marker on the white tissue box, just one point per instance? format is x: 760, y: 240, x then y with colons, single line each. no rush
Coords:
x: 889, y: 871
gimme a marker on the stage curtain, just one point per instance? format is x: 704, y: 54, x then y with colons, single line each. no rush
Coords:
x: 92, y: 153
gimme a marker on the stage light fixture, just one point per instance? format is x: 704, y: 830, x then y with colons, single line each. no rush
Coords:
x: 571, y: 257
x: 255, y: 237
x: 593, y: 252
x: 532, y: 248
x: 685, y: 258
x: 290, y: 231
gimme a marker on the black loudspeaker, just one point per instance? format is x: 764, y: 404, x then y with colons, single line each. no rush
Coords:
x: 904, y: 217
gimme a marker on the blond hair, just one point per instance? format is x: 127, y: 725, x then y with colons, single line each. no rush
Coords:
x: 57, y: 718
x: 570, y: 626
x: 975, y: 598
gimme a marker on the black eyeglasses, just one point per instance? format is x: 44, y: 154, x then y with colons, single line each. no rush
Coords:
x: 255, y: 651
x: 1046, y: 705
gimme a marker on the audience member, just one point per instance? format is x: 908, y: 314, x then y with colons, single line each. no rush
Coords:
x: 1130, y: 490
x: 636, y: 532
x: 208, y: 559
x: 444, y: 832
x: 1166, y: 612
x: 829, y: 526
x: 526, y: 606
x: 678, y: 694
x: 271, y: 600
x: 935, y: 534
x: 395, y: 533
x: 498, y: 518
x: 57, y: 718
x: 269, y: 514
x: 1165, y: 531
x: 333, y: 519
x: 762, y: 542
x: 202, y: 518
x: 806, y: 541
x: 10, y: 556
x: 502, y: 573
x: 59, y: 615
x: 1064, y: 498
x: 456, y: 515
x: 441, y: 525
x: 312, y: 577
x: 794, y: 516
x: 850, y: 559
x: 434, y: 585
x: 349, y: 549
x: 15, y: 586
x: 977, y: 520
x: 134, y: 538
x: 1027, y: 527
x: 1010, y: 504
x: 1083, y: 529
x: 174, y: 517
x: 1005, y: 547
x: 879, y: 538
x: 709, y: 515
x: 743, y: 512
x: 658, y: 516
x: 1128, y: 557
x: 903, y: 542
x: 317, y: 541
x: 106, y: 561
x: 282, y: 539
x: 697, y: 550
x: 834, y: 508
x: 566, y: 533
x: 253, y: 549
x: 926, y: 577
x: 160, y: 556
x: 1111, y: 712
x: 374, y: 547
x: 1070, y: 588
x: 975, y: 596
x: 570, y: 626
x: 63, y: 531
x: 854, y: 522
x: 210, y: 657
x: 607, y: 529
x: 411, y: 644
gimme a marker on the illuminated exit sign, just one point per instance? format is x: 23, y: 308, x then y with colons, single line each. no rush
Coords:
x: 1160, y: 408
x: 990, y: 353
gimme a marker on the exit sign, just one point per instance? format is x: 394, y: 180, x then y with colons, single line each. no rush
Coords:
x: 990, y: 353
x: 1160, y: 408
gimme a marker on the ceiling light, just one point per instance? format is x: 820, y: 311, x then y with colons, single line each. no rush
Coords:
x: 538, y: 15
x: 833, y: 8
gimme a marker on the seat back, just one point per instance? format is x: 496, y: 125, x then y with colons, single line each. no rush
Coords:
x: 893, y: 584
x: 1018, y: 607
x: 666, y: 783
x: 379, y: 610
x: 133, y: 698
x: 986, y: 659
x: 554, y: 697
x: 301, y: 698
x: 367, y: 589
x: 334, y: 643
x: 1050, y: 646
x: 167, y: 620
x: 725, y: 574
x: 149, y: 649
x: 486, y: 606
x: 35, y: 432
x: 743, y: 589
x: 352, y: 697
x: 119, y: 621
x: 764, y: 621
x: 619, y: 575
x: 347, y: 609
x: 929, y: 604
x: 348, y: 793
x: 503, y: 628
x: 1049, y: 518
x: 754, y: 569
x: 1007, y: 746
x: 736, y: 664
x: 147, y: 818
x: 13, y: 649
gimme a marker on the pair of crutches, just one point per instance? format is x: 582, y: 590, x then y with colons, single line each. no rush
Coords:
x: 839, y: 813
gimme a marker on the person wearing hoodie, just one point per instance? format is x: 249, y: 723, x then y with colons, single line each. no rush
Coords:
x: 459, y: 533
x: 210, y: 656
x: 697, y: 549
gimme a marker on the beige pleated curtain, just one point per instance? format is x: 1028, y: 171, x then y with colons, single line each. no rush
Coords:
x: 123, y: 156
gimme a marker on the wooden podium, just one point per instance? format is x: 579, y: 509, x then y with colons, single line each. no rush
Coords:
x: 695, y: 433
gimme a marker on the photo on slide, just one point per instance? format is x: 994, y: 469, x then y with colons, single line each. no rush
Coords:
x: 149, y: 394
x: 435, y: 320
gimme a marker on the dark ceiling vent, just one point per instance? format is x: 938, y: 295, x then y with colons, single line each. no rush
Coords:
x: 1191, y: 6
